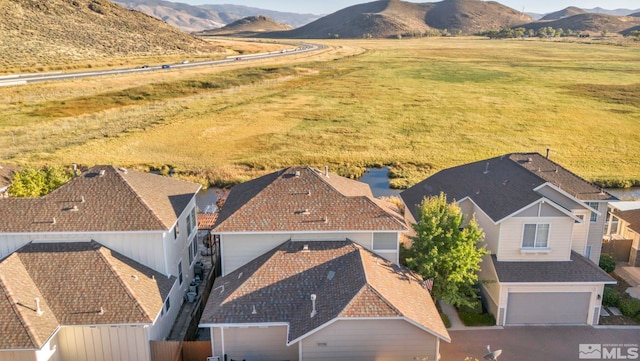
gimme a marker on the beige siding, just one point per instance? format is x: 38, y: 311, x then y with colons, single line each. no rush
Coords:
x: 489, y: 285
x: 17, y: 356
x: 119, y: 343
x: 490, y: 229
x: 378, y: 340
x: 559, y: 198
x: 560, y: 234
x: 255, y: 343
x: 240, y: 249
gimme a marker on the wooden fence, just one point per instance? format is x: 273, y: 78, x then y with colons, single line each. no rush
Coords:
x: 180, y: 351
x: 618, y: 248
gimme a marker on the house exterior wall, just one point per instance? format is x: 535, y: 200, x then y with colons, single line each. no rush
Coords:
x: 165, y: 319
x: 18, y: 355
x: 580, y: 233
x: 593, y: 289
x: 490, y: 229
x: 489, y: 285
x: 48, y: 352
x: 239, y: 249
x: 559, y: 243
x: 381, y: 340
x: 596, y: 232
x: 253, y: 343
x: 103, y: 343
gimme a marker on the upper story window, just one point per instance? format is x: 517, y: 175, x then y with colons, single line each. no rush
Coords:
x: 189, y: 229
x: 194, y: 219
x: 535, y: 235
x: 176, y: 231
x: 594, y: 215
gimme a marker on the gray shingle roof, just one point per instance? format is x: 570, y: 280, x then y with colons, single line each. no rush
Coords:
x: 503, y: 185
x: 100, y: 200
x: 348, y: 281
x: 77, y: 284
x: 578, y: 269
x: 304, y: 199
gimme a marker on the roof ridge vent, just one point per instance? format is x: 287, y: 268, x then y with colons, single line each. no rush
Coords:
x: 326, y: 171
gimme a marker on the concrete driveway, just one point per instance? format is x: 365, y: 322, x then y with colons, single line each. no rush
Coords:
x: 541, y: 343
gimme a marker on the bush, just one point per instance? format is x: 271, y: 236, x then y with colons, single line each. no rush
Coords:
x: 471, y: 319
x: 475, y: 308
x: 611, y: 297
x: 445, y: 320
x: 630, y: 307
x: 607, y: 263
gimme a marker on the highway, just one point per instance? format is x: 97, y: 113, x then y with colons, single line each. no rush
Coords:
x: 23, y: 79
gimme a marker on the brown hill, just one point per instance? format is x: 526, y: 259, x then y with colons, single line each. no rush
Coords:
x: 473, y: 16
x: 53, y: 32
x: 391, y: 18
x: 594, y: 23
x: 249, y: 26
x: 184, y: 17
x: 570, y: 11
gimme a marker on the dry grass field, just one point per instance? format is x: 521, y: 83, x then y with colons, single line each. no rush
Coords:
x: 418, y: 104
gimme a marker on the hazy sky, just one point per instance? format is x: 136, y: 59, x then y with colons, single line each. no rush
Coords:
x: 323, y: 7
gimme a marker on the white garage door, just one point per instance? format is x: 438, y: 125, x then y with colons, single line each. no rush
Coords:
x: 548, y: 308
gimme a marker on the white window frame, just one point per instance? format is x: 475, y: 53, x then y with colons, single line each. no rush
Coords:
x: 594, y: 216
x: 180, y: 275
x: 535, y: 239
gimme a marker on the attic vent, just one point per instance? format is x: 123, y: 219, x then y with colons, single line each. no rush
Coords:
x: 82, y: 199
x: 556, y: 169
x: 123, y: 170
x: 54, y: 220
x: 506, y: 181
x: 305, y: 248
x: 240, y: 275
x: 102, y: 172
x: 254, y: 312
x: 74, y: 209
x: 309, y: 192
x: 101, y: 312
x: 306, y: 211
x: 529, y: 160
x: 38, y: 309
x: 486, y: 169
x: 326, y: 171
x: 135, y: 277
x: 325, y: 219
x: 297, y: 173
x: 313, y: 305
x: 330, y: 275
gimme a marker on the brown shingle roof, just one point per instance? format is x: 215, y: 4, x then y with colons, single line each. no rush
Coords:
x: 304, y: 199
x: 100, y: 200
x: 77, y: 284
x: 6, y: 173
x: 578, y: 269
x: 348, y: 281
x: 631, y: 216
x: 206, y: 220
x: 503, y: 185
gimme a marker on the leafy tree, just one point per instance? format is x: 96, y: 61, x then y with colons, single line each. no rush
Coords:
x: 446, y: 251
x: 32, y: 182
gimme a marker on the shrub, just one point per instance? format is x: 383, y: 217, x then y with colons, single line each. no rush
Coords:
x: 607, y: 263
x: 611, y: 297
x: 630, y: 307
x: 471, y: 319
x: 474, y: 308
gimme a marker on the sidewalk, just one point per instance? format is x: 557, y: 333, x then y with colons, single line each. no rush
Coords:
x: 631, y: 275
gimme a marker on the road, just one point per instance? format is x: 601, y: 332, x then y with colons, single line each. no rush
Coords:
x: 23, y: 79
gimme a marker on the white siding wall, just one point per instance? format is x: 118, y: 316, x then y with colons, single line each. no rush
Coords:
x: 580, y: 231
x: 596, y: 232
x: 378, y: 340
x: 239, y: 249
x: 9, y: 243
x: 162, y: 325
x: 560, y: 234
x: 490, y: 229
x: 118, y: 343
x: 254, y: 343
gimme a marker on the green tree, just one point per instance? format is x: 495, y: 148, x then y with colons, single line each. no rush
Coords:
x: 32, y: 182
x: 446, y: 251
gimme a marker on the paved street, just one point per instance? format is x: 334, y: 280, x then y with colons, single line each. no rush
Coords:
x: 560, y: 343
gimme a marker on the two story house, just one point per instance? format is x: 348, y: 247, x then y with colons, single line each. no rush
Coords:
x: 139, y: 231
x: 543, y: 226
x: 310, y: 272
x: 624, y: 224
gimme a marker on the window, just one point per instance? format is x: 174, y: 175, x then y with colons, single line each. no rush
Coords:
x: 194, y: 219
x: 535, y: 235
x: 194, y: 247
x: 180, y: 273
x: 594, y: 215
x: 167, y: 304
x: 176, y: 232
x: 587, y: 252
x: 189, y: 228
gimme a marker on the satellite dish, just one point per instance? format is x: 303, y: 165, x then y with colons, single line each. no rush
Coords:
x: 492, y: 355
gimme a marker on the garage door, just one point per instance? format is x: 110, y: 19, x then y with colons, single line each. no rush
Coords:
x: 548, y: 308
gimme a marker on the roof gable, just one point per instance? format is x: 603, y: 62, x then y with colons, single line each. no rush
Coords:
x: 77, y: 284
x: 103, y: 199
x: 502, y: 185
x: 348, y: 281
x: 304, y: 199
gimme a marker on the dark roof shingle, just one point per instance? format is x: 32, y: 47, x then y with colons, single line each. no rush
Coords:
x: 348, y: 281
x: 77, y: 284
x: 102, y: 199
x: 304, y: 199
x: 578, y: 269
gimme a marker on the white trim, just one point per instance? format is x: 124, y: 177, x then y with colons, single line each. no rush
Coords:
x: 559, y: 190
x: 243, y: 325
x: 222, y: 341
x: 557, y: 283
x: 289, y: 232
x: 543, y: 200
x: 81, y: 233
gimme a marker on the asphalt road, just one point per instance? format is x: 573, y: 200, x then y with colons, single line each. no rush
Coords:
x: 22, y: 79
x: 533, y: 343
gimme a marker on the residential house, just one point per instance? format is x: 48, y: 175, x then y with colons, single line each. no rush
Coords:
x: 543, y: 226
x: 310, y: 265
x: 301, y: 203
x: 315, y: 300
x: 624, y: 224
x: 147, y: 218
